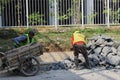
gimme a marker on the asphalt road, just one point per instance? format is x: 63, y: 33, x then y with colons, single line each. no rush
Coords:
x: 12, y: 76
x: 85, y: 74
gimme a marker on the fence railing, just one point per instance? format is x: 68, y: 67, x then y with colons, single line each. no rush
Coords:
x: 59, y: 12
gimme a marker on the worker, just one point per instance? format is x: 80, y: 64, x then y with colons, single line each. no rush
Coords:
x: 79, y: 46
x: 24, y: 39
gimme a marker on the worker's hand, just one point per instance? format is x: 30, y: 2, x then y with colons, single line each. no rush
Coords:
x: 71, y: 48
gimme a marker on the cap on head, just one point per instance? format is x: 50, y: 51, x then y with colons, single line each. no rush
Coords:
x: 31, y: 33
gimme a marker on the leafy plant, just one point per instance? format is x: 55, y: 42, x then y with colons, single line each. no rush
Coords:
x: 114, y: 15
x: 63, y: 17
x: 36, y: 18
x: 92, y: 16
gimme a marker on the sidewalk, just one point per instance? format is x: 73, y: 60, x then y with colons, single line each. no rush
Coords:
x: 55, y: 56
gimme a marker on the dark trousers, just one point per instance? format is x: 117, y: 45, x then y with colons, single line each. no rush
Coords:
x: 80, y: 49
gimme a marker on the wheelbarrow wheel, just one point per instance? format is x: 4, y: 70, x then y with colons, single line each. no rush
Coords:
x: 29, y: 66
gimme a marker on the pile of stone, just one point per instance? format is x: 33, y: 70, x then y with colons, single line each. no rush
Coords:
x: 104, y: 50
x: 56, y: 66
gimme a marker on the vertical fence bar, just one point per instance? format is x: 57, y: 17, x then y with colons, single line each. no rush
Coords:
x: 55, y: 5
x: 24, y: 13
x: 108, y: 23
x: 103, y: 17
x: 44, y: 11
x: 1, y: 15
x: 74, y: 13
x: 21, y: 12
x: 47, y: 13
x: 66, y: 11
x: 35, y: 12
x: 98, y: 5
x: 118, y: 9
x: 99, y: 11
x: 82, y: 15
x: 27, y: 12
x: 8, y: 13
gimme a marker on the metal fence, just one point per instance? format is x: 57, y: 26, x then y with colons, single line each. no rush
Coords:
x: 59, y: 12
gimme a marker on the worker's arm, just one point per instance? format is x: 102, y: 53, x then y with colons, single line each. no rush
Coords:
x: 19, y: 39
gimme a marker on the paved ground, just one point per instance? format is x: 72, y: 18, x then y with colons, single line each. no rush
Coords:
x: 55, y: 56
x: 85, y: 74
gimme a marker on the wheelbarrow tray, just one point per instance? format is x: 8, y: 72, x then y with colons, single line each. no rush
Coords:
x: 14, y: 56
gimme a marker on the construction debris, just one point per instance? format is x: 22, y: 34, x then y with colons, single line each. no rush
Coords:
x: 103, y: 50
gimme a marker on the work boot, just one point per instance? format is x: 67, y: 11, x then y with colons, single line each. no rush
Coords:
x: 79, y: 67
x: 3, y: 66
x: 76, y: 62
x: 88, y: 66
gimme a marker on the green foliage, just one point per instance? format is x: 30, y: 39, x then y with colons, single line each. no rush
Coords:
x: 92, y: 16
x: 114, y: 1
x: 36, y: 18
x: 114, y: 15
x: 75, y: 1
x: 64, y: 17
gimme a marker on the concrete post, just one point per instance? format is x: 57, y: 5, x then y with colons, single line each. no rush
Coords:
x: 108, y: 8
x: 51, y: 12
x: 27, y: 13
x: 89, y: 13
x: 82, y: 15
x: 0, y: 21
x: 55, y: 15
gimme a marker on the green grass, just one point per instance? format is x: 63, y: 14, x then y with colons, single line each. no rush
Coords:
x: 56, y: 40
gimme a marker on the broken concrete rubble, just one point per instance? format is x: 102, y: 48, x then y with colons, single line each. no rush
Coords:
x: 106, y: 50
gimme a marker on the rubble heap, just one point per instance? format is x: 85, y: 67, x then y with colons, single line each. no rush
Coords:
x: 103, y: 50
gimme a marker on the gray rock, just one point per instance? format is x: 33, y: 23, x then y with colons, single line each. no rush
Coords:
x: 106, y: 50
x: 118, y: 53
x: 90, y: 51
x: 68, y: 63
x: 99, y: 41
x: 114, y: 60
x: 93, y: 56
x: 114, y: 50
x: 118, y: 49
x: 104, y: 54
x: 109, y: 43
x: 116, y: 44
x: 93, y: 46
x: 98, y: 50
